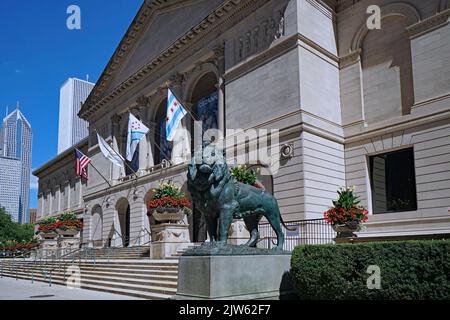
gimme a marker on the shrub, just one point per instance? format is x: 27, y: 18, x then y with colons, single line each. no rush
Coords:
x: 410, y: 270
x: 244, y: 175
x: 68, y: 216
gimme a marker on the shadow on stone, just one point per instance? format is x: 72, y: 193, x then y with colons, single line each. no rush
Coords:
x: 287, y: 291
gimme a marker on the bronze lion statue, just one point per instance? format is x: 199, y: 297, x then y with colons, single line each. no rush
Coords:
x: 220, y: 198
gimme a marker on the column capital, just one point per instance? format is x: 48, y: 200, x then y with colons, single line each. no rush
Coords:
x: 219, y: 51
x: 177, y: 79
x: 115, y: 119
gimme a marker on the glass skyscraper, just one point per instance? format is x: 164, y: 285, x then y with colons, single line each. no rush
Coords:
x: 16, y: 143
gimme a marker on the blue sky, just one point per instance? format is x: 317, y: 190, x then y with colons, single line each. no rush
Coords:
x: 38, y: 53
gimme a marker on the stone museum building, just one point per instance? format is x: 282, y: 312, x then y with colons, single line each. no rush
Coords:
x: 353, y: 106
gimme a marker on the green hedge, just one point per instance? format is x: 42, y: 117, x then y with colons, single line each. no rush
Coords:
x: 409, y: 270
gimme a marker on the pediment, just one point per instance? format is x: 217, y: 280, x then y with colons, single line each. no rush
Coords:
x: 167, y: 24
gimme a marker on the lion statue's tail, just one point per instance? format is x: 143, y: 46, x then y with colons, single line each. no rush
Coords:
x: 284, y: 224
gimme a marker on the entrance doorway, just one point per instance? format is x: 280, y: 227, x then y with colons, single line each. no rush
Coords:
x: 123, y: 210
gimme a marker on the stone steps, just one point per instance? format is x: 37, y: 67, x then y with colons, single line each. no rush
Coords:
x: 141, y: 279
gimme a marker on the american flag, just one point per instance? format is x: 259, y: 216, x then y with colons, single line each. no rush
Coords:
x: 82, y: 162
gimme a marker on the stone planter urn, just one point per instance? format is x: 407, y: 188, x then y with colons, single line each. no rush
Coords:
x: 68, y: 232
x: 347, y: 230
x: 49, y: 235
x: 169, y: 235
x: 166, y: 215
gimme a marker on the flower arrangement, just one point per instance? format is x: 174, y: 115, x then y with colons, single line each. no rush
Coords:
x: 169, y: 196
x: 69, y: 221
x: 244, y: 175
x: 47, y: 225
x: 346, y: 210
x: 18, y: 246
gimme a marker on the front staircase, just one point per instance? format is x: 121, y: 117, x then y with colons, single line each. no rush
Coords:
x: 125, y: 272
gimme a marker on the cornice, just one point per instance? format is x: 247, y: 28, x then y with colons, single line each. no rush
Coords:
x: 227, y: 13
x: 427, y: 25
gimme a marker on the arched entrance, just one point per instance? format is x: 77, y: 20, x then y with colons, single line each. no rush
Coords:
x: 204, y: 99
x: 97, y: 226
x: 123, y: 210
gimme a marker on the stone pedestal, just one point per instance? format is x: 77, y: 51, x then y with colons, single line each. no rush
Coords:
x: 48, y: 246
x: 69, y: 243
x: 244, y: 277
x: 238, y: 233
x: 167, y: 239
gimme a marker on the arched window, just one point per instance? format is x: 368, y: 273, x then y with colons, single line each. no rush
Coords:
x: 387, y: 70
x: 205, y: 102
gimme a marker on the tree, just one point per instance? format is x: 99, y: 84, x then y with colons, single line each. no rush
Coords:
x: 13, y: 231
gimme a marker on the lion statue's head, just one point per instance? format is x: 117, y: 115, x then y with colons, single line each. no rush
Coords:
x: 207, y: 168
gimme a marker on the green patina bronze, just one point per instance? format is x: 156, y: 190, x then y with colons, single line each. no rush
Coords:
x: 220, y: 198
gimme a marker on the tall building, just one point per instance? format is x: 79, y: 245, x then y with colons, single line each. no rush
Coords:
x: 17, y: 141
x: 72, y: 129
x: 10, y: 185
x: 33, y: 216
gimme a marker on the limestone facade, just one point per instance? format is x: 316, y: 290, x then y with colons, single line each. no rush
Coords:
x: 338, y: 92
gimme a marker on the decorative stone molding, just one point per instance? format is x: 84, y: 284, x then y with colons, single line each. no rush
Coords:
x: 224, y: 16
x: 138, y: 194
x: 260, y: 37
x: 219, y: 50
x: 350, y: 59
x: 432, y: 23
x: 178, y: 79
x: 273, y: 52
x: 142, y: 101
x: 110, y: 202
x: 287, y: 151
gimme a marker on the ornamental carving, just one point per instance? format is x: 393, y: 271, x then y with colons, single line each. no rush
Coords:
x: 260, y: 37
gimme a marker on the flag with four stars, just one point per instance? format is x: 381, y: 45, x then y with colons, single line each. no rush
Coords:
x: 136, y: 132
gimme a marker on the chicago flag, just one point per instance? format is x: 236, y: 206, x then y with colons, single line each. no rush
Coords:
x: 175, y: 112
x: 136, y: 132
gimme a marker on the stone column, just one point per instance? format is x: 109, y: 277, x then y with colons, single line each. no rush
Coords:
x: 181, y: 143
x: 68, y: 192
x: 116, y: 171
x: 220, y: 61
x: 145, y: 156
x: 138, y: 212
x: 110, y: 221
x: 151, y: 140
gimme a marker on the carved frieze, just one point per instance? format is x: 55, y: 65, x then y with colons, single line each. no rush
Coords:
x: 260, y: 36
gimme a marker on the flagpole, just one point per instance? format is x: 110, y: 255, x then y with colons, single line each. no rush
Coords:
x: 160, y: 136
x: 109, y: 184
x: 96, y: 169
x: 124, y: 160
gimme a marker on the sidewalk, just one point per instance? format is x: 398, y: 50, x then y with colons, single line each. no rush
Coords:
x: 10, y: 289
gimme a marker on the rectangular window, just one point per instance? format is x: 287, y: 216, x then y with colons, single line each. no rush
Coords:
x: 393, y: 182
